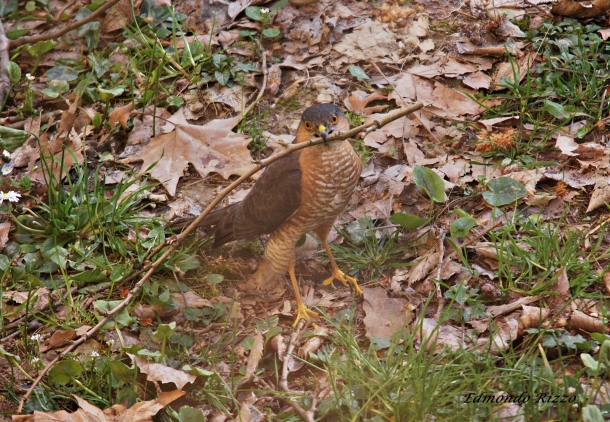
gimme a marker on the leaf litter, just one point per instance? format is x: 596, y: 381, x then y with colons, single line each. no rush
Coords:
x: 448, y: 74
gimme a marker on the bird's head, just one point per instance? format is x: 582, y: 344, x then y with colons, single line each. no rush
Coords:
x: 321, y: 120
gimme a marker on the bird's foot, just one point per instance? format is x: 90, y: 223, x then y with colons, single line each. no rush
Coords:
x: 303, y: 312
x: 345, y: 279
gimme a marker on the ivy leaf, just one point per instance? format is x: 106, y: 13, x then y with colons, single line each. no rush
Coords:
x: 254, y: 13
x: 461, y: 226
x: 430, y: 182
x: 503, y: 191
x: 64, y: 371
x: 271, y: 32
x: 14, y: 72
x: 222, y: 77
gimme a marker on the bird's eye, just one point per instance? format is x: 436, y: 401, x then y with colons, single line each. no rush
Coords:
x: 308, y: 126
x: 334, y: 120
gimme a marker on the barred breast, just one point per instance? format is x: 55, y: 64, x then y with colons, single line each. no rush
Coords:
x: 330, y: 175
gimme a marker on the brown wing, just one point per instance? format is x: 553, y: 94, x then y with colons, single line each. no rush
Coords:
x: 275, y: 196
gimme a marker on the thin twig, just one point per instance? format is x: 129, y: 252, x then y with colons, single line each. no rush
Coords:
x: 180, y: 238
x: 58, y: 33
x: 283, y: 384
x: 297, y: 407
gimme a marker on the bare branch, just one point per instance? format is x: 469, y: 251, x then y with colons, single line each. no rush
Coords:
x: 58, y: 33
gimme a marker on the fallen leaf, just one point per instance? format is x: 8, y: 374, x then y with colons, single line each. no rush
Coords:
x: 212, y: 147
x: 164, y: 374
x: 139, y: 412
x: 369, y: 41
x: 600, y: 195
x: 358, y: 100
x: 120, y: 115
x: 384, y: 315
x: 423, y: 267
x: 256, y: 353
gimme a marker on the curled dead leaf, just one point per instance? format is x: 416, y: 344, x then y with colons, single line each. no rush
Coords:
x: 532, y: 317
x: 581, y: 321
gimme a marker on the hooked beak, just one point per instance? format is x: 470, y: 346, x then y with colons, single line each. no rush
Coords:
x: 323, y: 133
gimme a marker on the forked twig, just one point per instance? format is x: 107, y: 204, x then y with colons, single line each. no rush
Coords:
x: 365, y: 128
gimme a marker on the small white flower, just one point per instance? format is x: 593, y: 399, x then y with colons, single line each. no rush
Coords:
x: 264, y: 10
x: 29, y: 77
x: 575, y: 405
x: 110, y: 342
x: 36, y: 337
x: 13, y: 196
x: 35, y: 360
x: 94, y: 354
x: 10, y: 196
x: 571, y: 390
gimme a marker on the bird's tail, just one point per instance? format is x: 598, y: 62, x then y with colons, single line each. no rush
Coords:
x: 222, y: 218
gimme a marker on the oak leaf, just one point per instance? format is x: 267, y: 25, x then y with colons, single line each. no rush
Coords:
x: 212, y: 147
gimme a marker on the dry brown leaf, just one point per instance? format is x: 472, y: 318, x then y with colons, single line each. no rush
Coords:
x: 190, y: 299
x: 58, y: 339
x: 572, y: 178
x: 477, y: 80
x: 405, y: 89
x: 453, y: 102
x: 606, y: 280
x: 369, y: 41
x: 164, y: 374
x: 212, y: 147
x: 244, y: 414
x: 507, y: 411
x: 426, y: 264
x: 497, y: 310
x: 313, y: 343
x: 532, y: 317
x: 561, y: 286
x: 143, y: 127
x: 504, y: 330
x: 4, y: 229
x: 140, y: 412
x: 445, y: 335
x: 384, y: 315
x: 581, y: 321
x: 256, y: 353
x: 600, y: 195
x: 358, y: 100
x: 506, y: 70
x: 278, y: 345
x: 120, y: 15
x: 120, y: 115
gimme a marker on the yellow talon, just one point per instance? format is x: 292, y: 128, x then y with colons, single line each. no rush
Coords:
x: 303, y: 312
x: 343, y: 278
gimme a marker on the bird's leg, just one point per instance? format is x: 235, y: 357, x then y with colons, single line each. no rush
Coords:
x: 337, y: 273
x: 302, y: 311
